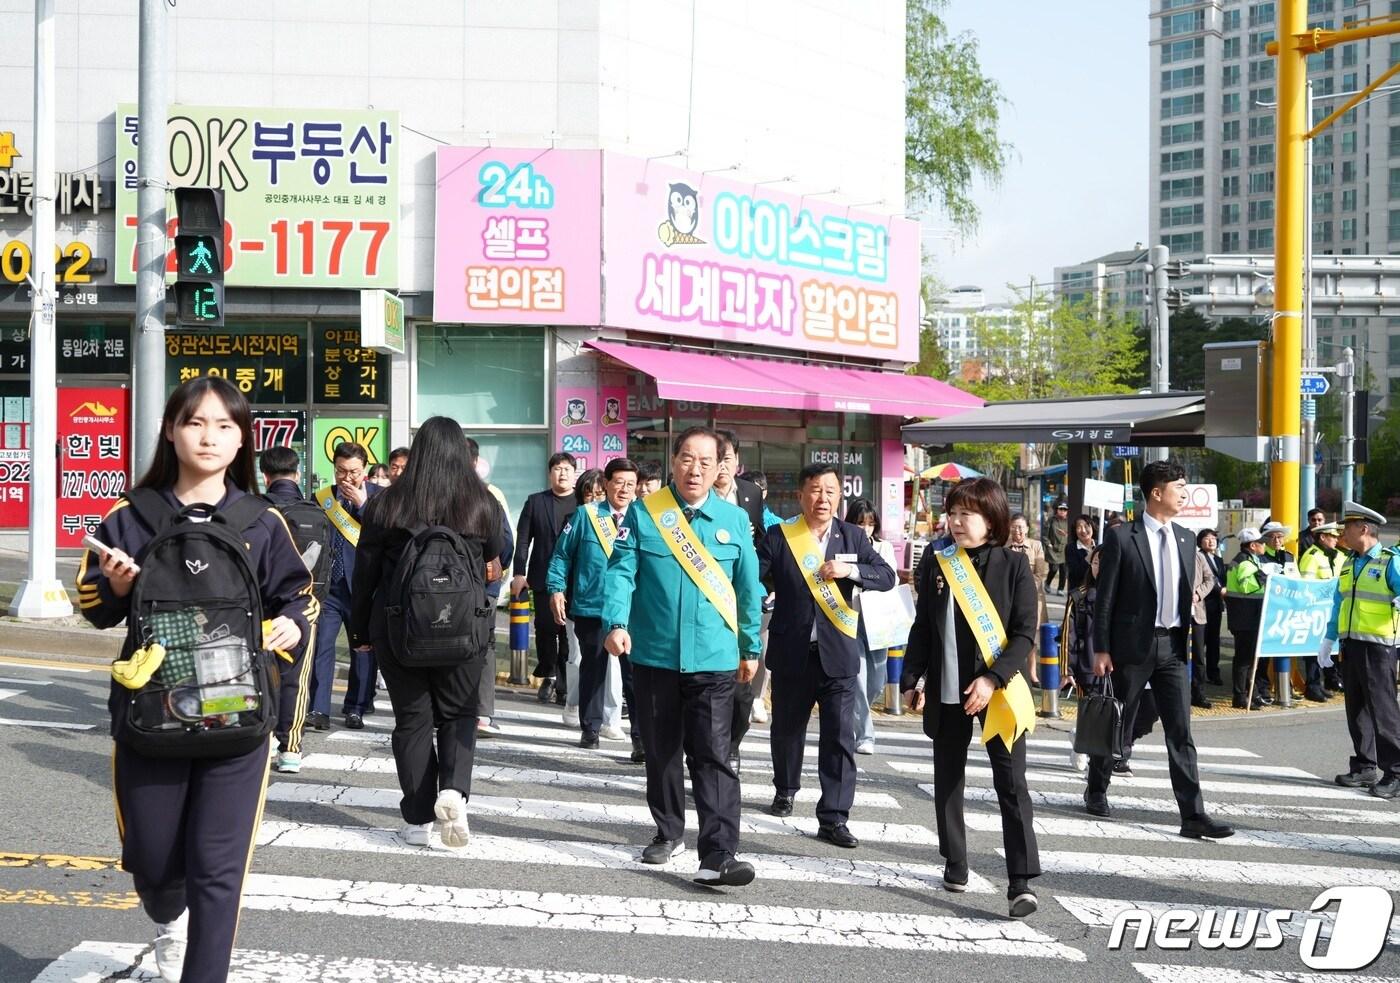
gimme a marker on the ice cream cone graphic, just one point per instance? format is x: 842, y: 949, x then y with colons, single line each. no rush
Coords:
x: 671, y: 236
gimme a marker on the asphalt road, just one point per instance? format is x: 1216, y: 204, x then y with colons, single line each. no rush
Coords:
x: 549, y: 883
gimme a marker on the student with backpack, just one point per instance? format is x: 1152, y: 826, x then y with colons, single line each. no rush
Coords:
x: 209, y: 581
x: 420, y: 599
x: 311, y: 531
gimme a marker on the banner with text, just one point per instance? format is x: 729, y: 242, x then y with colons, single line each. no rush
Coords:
x: 93, y: 424
x: 1295, y: 616
x: 577, y: 425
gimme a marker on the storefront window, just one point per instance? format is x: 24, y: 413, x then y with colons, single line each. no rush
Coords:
x: 859, y: 426
x: 822, y: 426
x: 516, y: 463
x: 482, y: 376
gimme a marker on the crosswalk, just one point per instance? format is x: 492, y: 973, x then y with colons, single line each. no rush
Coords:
x: 555, y: 851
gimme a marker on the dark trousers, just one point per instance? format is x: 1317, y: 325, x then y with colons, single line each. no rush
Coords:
x: 950, y: 750
x: 294, y: 696
x: 435, y: 714
x: 1165, y: 668
x: 551, y: 640
x: 593, y: 675
x: 1212, y: 639
x: 187, y: 827
x: 359, y: 692
x: 1240, y: 669
x: 1057, y: 571
x: 689, y: 712
x: 794, y: 693
x: 1198, y: 658
x: 743, y: 709
x: 1373, y: 715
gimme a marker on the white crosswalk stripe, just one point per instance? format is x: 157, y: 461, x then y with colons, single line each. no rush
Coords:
x: 1197, y: 869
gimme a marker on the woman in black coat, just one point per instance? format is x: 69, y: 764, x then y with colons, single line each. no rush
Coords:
x: 946, y: 674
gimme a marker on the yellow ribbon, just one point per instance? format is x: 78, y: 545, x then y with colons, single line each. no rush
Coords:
x: 807, y: 552
x: 702, y: 568
x: 604, y: 530
x: 346, y: 523
x: 1011, y: 710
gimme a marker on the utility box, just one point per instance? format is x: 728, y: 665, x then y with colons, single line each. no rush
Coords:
x: 1237, y: 390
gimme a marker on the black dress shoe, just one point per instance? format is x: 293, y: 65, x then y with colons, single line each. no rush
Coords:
x: 1259, y: 703
x: 1198, y: 699
x: 1203, y: 827
x: 320, y: 721
x: 955, y: 875
x: 1360, y: 779
x: 660, y: 850
x: 1097, y: 805
x: 1021, y: 900
x: 1316, y: 694
x: 546, y: 691
x: 639, y: 754
x: 354, y: 721
x: 561, y: 695
x: 370, y: 711
x: 589, y: 740
x: 1122, y: 769
x: 1239, y: 704
x: 1387, y: 789
x: 837, y: 835
x: 731, y: 873
x: 781, y: 807
x: 733, y: 762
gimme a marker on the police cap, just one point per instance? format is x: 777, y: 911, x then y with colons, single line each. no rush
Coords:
x: 1355, y: 510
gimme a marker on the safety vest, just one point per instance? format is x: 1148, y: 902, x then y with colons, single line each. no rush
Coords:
x: 1243, y: 576
x: 1315, y: 565
x: 1367, y: 612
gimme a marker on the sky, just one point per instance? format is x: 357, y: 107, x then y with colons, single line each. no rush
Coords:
x: 1075, y: 77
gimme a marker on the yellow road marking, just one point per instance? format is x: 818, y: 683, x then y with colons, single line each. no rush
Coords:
x: 112, y: 900
x: 19, y: 660
x: 57, y: 861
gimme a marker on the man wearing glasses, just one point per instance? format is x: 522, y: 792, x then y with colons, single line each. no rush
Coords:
x: 343, y: 503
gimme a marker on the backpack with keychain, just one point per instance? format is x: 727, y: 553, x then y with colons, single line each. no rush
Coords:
x: 312, y: 532
x: 436, y: 605
x: 196, y: 614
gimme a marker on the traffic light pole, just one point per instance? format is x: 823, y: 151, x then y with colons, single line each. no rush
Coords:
x: 148, y: 374
x: 42, y: 594
x: 1347, y: 370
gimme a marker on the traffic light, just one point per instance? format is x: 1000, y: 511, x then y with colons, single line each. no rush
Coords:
x: 199, y: 255
x: 1361, y: 426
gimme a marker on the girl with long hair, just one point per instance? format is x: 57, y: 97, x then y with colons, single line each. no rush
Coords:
x: 871, y: 677
x: 955, y: 670
x: 188, y: 824
x: 435, y: 706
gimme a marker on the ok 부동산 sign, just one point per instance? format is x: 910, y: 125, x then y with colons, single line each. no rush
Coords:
x: 311, y: 196
x: 1295, y: 616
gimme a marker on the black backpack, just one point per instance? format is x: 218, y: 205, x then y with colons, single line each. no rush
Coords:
x: 436, y: 604
x: 215, y: 693
x: 312, y: 532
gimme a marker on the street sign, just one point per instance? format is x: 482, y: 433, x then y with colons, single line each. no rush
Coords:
x: 1314, y: 385
x: 1126, y: 450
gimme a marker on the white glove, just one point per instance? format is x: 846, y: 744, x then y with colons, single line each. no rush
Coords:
x: 1324, y: 654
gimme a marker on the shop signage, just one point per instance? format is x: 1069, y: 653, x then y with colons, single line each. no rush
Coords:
x: 82, y: 349
x: 8, y: 153
x: 694, y: 255
x: 851, y: 466
x: 612, y: 425
x: 346, y: 373
x: 267, y: 366
x: 73, y: 192
x: 326, y: 432
x: 381, y: 321
x: 578, y: 422
x: 517, y: 236
x: 311, y: 196
x: 73, y: 262
x: 93, y: 423
x: 14, y: 461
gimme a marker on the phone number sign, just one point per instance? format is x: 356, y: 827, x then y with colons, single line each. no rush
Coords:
x: 93, y: 463
x: 310, y: 196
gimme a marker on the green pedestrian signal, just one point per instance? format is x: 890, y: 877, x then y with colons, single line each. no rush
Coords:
x: 199, y: 257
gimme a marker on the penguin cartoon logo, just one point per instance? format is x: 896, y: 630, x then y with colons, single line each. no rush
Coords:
x: 612, y: 412
x: 682, y: 217
x: 575, y: 413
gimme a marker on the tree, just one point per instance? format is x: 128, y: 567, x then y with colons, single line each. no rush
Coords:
x: 1190, y: 331
x: 951, y: 114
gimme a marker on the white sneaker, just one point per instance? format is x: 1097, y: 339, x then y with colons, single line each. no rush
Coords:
x: 611, y: 733
x: 865, y: 747
x: 416, y: 834
x: 451, y: 812
x: 288, y: 762
x: 571, y: 716
x: 171, y: 938
x: 759, y: 714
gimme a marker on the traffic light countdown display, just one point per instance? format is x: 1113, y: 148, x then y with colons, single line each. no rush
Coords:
x: 199, y: 255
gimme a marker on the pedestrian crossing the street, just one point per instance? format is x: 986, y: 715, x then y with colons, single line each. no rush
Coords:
x: 557, y: 832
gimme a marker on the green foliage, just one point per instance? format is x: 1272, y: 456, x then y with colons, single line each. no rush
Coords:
x: 1190, y: 332
x: 1381, y: 483
x: 951, y: 113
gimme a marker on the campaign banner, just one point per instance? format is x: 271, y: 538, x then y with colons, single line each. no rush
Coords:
x: 93, y: 462
x: 576, y: 428
x: 517, y: 237
x: 612, y: 424
x: 1202, y: 508
x: 311, y: 196
x: 695, y: 255
x: 1294, y: 620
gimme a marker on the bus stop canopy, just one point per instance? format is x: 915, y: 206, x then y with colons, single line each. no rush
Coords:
x: 1149, y: 420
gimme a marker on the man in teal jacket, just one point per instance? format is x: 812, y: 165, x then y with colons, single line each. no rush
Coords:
x: 683, y: 599
x: 575, y: 586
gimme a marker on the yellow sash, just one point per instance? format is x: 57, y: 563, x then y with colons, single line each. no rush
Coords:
x: 806, y: 551
x: 343, y: 521
x: 1011, y: 710
x: 690, y: 552
x: 604, y: 530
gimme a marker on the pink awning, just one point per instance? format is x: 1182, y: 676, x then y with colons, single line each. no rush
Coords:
x: 702, y: 378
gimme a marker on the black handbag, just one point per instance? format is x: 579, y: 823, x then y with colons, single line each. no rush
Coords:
x: 1099, y: 729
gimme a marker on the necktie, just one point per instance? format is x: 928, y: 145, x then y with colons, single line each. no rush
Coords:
x: 1165, y: 592
x: 617, y: 519
x: 337, y: 559
x: 689, y: 514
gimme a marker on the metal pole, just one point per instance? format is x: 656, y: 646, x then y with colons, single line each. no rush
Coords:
x: 1158, y: 257
x: 1291, y: 192
x: 148, y: 373
x: 1307, y: 487
x: 1347, y: 370
x: 42, y: 594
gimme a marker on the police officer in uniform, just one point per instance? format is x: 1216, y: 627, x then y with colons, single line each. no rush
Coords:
x: 682, y: 598
x: 1365, y: 618
x: 1244, y: 603
x: 1321, y: 560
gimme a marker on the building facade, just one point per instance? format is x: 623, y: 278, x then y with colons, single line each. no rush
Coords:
x: 568, y: 135
x: 1115, y: 282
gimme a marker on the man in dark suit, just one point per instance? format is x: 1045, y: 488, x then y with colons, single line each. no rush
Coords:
x: 749, y: 497
x: 541, y: 521
x: 814, y: 655
x: 1141, y: 618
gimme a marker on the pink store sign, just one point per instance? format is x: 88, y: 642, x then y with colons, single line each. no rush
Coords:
x: 517, y: 237
x: 703, y: 257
